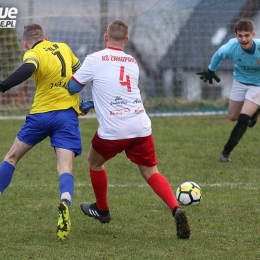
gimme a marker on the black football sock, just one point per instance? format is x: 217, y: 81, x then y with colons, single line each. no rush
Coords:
x: 237, y: 133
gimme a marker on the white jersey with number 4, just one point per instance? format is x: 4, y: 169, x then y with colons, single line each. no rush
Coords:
x: 119, y: 108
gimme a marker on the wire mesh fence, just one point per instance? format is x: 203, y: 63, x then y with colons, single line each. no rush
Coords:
x: 170, y: 39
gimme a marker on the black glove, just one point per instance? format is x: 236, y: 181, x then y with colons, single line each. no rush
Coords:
x: 208, y: 76
x: 2, y: 88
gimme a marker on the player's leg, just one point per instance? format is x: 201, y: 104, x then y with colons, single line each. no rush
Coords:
x: 65, y: 160
x: 66, y: 141
x: 162, y: 188
x: 236, y: 102
x: 101, y: 151
x: 98, y: 176
x: 252, y: 108
x: 239, y: 129
x: 234, y: 109
x: 7, y: 167
x: 26, y: 138
x: 254, y: 118
x: 63, y: 127
x: 142, y: 152
x: 160, y: 185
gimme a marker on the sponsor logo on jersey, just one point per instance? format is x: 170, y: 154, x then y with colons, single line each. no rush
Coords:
x: 119, y: 112
x: 118, y: 101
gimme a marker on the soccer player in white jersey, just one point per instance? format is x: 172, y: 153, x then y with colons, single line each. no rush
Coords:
x: 123, y: 124
x: 54, y: 114
x: 244, y: 100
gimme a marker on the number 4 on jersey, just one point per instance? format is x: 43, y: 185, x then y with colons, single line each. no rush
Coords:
x: 125, y: 82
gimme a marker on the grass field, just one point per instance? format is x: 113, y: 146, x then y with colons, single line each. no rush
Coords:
x: 225, y: 225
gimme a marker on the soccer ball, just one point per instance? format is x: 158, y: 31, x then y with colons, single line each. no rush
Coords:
x: 189, y: 193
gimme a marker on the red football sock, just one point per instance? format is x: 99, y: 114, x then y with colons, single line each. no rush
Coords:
x: 162, y: 188
x: 99, y: 184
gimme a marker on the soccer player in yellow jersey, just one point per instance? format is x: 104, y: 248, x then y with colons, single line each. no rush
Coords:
x: 54, y: 113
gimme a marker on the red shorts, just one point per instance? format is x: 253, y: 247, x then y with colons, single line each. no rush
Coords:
x: 139, y: 150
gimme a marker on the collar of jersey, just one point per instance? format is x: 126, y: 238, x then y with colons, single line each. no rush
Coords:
x: 252, y: 50
x: 36, y: 43
x: 113, y: 48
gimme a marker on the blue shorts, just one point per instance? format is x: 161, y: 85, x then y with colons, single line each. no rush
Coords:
x: 62, y: 126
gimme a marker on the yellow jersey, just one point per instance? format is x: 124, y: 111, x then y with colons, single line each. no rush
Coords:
x: 55, y: 63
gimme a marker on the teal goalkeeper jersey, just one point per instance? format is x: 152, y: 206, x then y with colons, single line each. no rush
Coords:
x: 246, y: 65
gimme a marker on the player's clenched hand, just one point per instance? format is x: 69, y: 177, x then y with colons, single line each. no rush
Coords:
x: 208, y: 75
x: 85, y: 106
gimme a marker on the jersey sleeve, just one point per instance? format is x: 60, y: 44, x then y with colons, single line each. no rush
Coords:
x: 24, y: 72
x: 74, y: 86
x: 215, y: 62
x: 85, y: 73
x: 31, y: 56
x: 76, y: 67
x: 223, y: 53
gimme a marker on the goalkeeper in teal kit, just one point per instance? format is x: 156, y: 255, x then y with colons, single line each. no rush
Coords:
x: 244, y: 100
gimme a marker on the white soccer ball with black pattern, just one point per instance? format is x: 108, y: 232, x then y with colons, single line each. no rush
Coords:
x: 189, y: 193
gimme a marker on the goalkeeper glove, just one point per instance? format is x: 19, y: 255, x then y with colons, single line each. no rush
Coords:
x: 86, y: 105
x: 208, y: 75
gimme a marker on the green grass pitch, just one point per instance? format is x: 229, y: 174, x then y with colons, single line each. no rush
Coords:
x: 225, y: 225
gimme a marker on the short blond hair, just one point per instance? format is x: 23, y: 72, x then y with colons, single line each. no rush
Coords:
x: 33, y: 33
x: 117, y: 30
